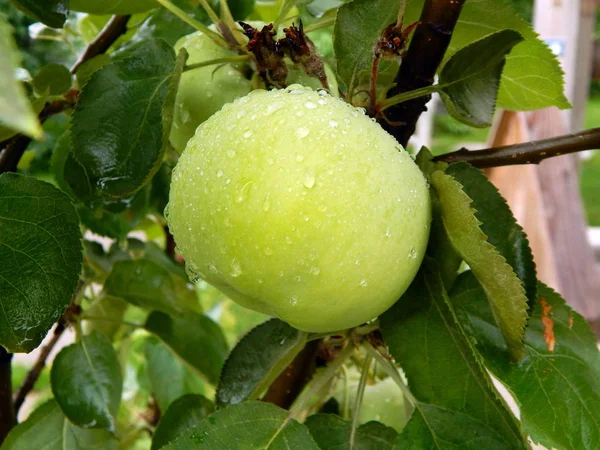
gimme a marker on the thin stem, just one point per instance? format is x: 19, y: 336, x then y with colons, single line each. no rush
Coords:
x: 392, y: 371
x: 107, y: 319
x: 212, y: 62
x: 215, y: 37
x: 319, y: 25
x: 406, y: 96
x: 317, y: 383
x: 528, y: 152
x: 346, y: 411
x: 211, y: 13
x: 359, y: 397
x: 401, y: 10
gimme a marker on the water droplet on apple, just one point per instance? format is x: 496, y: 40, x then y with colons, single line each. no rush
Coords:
x: 231, y: 153
x: 333, y: 124
x: 310, y: 105
x: 315, y: 270
x: 309, y: 180
x: 219, y: 173
x: 294, y: 301
x: 299, y: 157
x: 302, y: 132
x: 247, y: 134
x: 268, y: 251
x: 412, y: 254
x: 364, y: 283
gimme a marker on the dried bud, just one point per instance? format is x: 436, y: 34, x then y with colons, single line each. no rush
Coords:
x: 268, y: 54
x: 302, y: 51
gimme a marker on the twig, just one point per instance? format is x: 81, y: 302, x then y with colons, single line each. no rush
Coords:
x: 425, y: 53
x: 526, y: 153
x: 36, y: 370
x: 115, y: 27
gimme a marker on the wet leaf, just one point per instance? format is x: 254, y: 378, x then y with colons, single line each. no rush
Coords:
x: 331, y: 432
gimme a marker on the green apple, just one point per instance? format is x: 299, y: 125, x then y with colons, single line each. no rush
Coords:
x: 295, y: 204
x: 102, y: 7
x: 204, y: 91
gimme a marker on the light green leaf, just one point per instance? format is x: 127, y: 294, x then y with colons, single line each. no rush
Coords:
x: 504, y: 289
x: 52, y: 13
x: 557, y: 385
x: 195, y: 338
x: 87, y: 383
x: 54, y: 78
x: 48, y: 429
x: 456, y: 406
x: 245, y: 426
x: 105, y: 307
x: 257, y: 360
x: 170, y: 378
x: 40, y: 259
x: 15, y: 110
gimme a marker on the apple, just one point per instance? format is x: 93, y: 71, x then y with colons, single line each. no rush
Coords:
x: 112, y: 6
x: 297, y: 205
x: 204, y: 91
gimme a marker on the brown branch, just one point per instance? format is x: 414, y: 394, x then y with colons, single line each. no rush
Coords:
x: 7, y: 412
x: 36, y: 370
x: 528, y: 152
x: 425, y: 53
x: 115, y: 27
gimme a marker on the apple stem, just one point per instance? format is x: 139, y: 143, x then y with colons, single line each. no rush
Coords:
x: 212, y: 62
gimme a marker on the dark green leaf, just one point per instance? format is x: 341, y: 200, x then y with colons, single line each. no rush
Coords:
x: 257, y: 360
x: 557, y: 385
x: 105, y: 7
x: 53, y: 77
x: 87, y: 69
x: 133, y: 99
x: 504, y: 289
x: 498, y: 224
x: 470, y: 79
x: 455, y: 401
x: 358, y: 26
x: 245, y: 426
x: 333, y: 433
x: 186, y: 412
x: 48, y: 429
x: 50, y: 12
x: 159, y: 193
x: 144, y: 284
x: 87, y: 383
x: 241, y: 9
x: 16, y: 112
x: 40, y: 259
x: 112, y: 309
x: 170, y: 378
x: 194, y: 337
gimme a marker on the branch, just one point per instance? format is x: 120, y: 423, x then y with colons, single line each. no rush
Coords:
x: 528, y: 152
x: 14, y: 148
x: 115, y: 27
x: 7, y: 413
x: 425, y: 53
x: 36, y: 370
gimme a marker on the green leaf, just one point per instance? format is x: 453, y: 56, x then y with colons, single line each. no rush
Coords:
x: 248, y: 425
x: 105, y: 7
x: 87, y: 383
x: 40, y: 259
x: 241, y: 9
x: 105, y: 307
x: 48, y: 429
x: 183, y: 414
x: 257, y: 360
x: 53, y: 77
x: 194, y: 337
x: 133, y: 98
x: 504, y: 289
x: 143, y: 283
x: 557, y: 385
x: 470, y: 79
x: 455, y: 402
x: 331, y: 432
x: 52, y: 13
x: 358, y: 26
x: 87, y: 69
x: 16, y: 112
x: 498, y: 224
x: 170, y: 378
